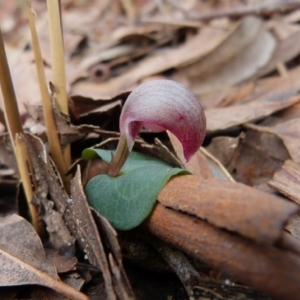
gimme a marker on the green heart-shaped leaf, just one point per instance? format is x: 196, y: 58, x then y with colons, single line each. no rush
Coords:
x: 127, y: 200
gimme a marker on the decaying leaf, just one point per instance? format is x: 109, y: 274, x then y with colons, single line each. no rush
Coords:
x: 23, y: 260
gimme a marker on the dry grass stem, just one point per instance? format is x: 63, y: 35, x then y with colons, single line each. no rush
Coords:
x: 14, y: 125
x: 51, y: 128
x: 10, y: 105
x: 218, y: 163
x: 58, y: 63
x: 57, y: 53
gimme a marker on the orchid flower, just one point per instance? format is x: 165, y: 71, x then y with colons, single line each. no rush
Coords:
x: 160, y: 105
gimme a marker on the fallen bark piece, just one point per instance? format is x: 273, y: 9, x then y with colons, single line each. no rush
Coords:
x: 233, y: 206
x: 265, y: 268
x: 287, y: 180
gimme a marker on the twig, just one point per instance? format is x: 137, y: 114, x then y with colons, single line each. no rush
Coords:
x: 178, y: 262
x: 218, y: 163
x: 57, y: 54
x: 51, y: 127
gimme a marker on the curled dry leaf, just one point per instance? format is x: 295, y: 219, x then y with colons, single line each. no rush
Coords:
x: 232, y: 206
x: 269, y: 270
x: 23, y: 260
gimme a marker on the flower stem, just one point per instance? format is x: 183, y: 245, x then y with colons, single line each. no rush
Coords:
x: 119, y: 158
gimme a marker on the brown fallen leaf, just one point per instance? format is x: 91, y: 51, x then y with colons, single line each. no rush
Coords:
x: 287, y: 180
x: 268, y: 269
x: 226, y: 117
x: 286, y: 50
x: 89, y: 239
x: 273, y: 86
x: 62, y: 264
x: 84, y: 229
x: 288, y: 132
x: 254, y: 7
x: 23, y: 260
x: 233, y: 206
x: 293, y: 226
x: 225, y: 148
x: 159, y: 61
x: 217, y: 168
x: 258, y: 161
x: 239, y: 57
